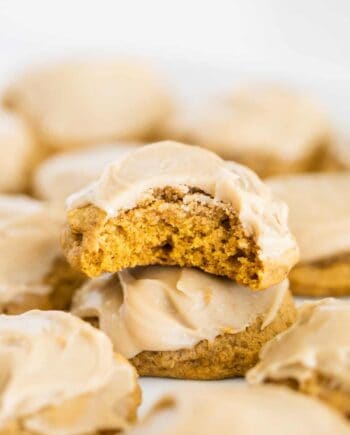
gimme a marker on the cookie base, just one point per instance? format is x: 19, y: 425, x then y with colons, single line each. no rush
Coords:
x: 329, y: 277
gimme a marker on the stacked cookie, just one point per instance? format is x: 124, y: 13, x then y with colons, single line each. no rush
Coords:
x: 196, y: 252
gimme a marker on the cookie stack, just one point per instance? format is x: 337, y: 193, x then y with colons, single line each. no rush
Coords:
x: 189, y: 256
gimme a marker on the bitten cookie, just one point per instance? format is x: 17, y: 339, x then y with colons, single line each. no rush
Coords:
x: 33, y: 270
x: 225, y: 410
x: 65, y: 173
x: 319, y: 217
x: 184, y: 323
x: 61, y: 376
x: 79, y: 103
x: 18, y: 153
x: 313, y: 355
x: 271, y: 129
x: 174, y: 204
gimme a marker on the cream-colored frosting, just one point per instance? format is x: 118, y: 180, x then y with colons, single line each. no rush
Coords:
x: 226, y: 410
x: 257, y: 119
x: 81, y: 102
x: 170, y: 308
x: 60, y: 376
x: 319, y: 212
x: 318, y: 343
x: 61, y: 175
x: 16, y: 152
x: 131, y: 179
x: 29, y: 244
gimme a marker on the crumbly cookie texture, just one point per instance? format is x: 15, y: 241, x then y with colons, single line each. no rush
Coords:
x: 226, y: 410
x: 320, y: 220
x: 51, y: 99
x: 61, y: 376
x: 184, y: 323
x: 291, y: 134
x: 313, y: 355
x: 189, y: 209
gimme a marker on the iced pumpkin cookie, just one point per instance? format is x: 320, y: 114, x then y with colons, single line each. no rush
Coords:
x: 33, y: 270
x: 174, y: 204
x: 65, y: 173
x: 313, y: 355
x: 184, y: 323
x: 319, y: 217
x: 224, y: 410
x: 270, y: 129
x: 84, y: 102
x: 18, y: 153
x: 61, y: 376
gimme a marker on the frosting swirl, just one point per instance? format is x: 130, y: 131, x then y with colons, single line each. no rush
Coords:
x: 55, y: 370
x: 318, y: 343
x: 170, y: 308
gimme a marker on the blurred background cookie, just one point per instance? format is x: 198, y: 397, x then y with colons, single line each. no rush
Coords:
x: 18, y: 153
x: 241, y: 410
x: 313, y: 355
x: 33, y: 270
x: 83, y: 102
x: 65, y: 173
x: 184, y: 323
x: 61, y: 376
x: 269, y: 128
x: 319, y: 217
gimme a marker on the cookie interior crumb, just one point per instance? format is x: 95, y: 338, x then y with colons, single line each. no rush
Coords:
x: 168, y: 228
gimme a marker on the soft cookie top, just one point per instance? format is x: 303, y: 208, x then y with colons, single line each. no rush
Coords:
x: 191, y: 207
x: 60, y: 376
x: 319, y: 212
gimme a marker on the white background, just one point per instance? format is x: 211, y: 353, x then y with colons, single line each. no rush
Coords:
x: 201, y: 45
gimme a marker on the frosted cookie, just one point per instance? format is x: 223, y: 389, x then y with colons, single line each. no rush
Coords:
x: 60, y: 376
x: 33, y: 270
x: 263, y: 410
x: 174, y: 204
x: 313, y: 355
x: 319, y: 217
x: 17, y: 153
x: 62, y: 174
x: 270, y: 129
x: 341, y: 153
x: 81, y: 103
x: 184, y: 323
